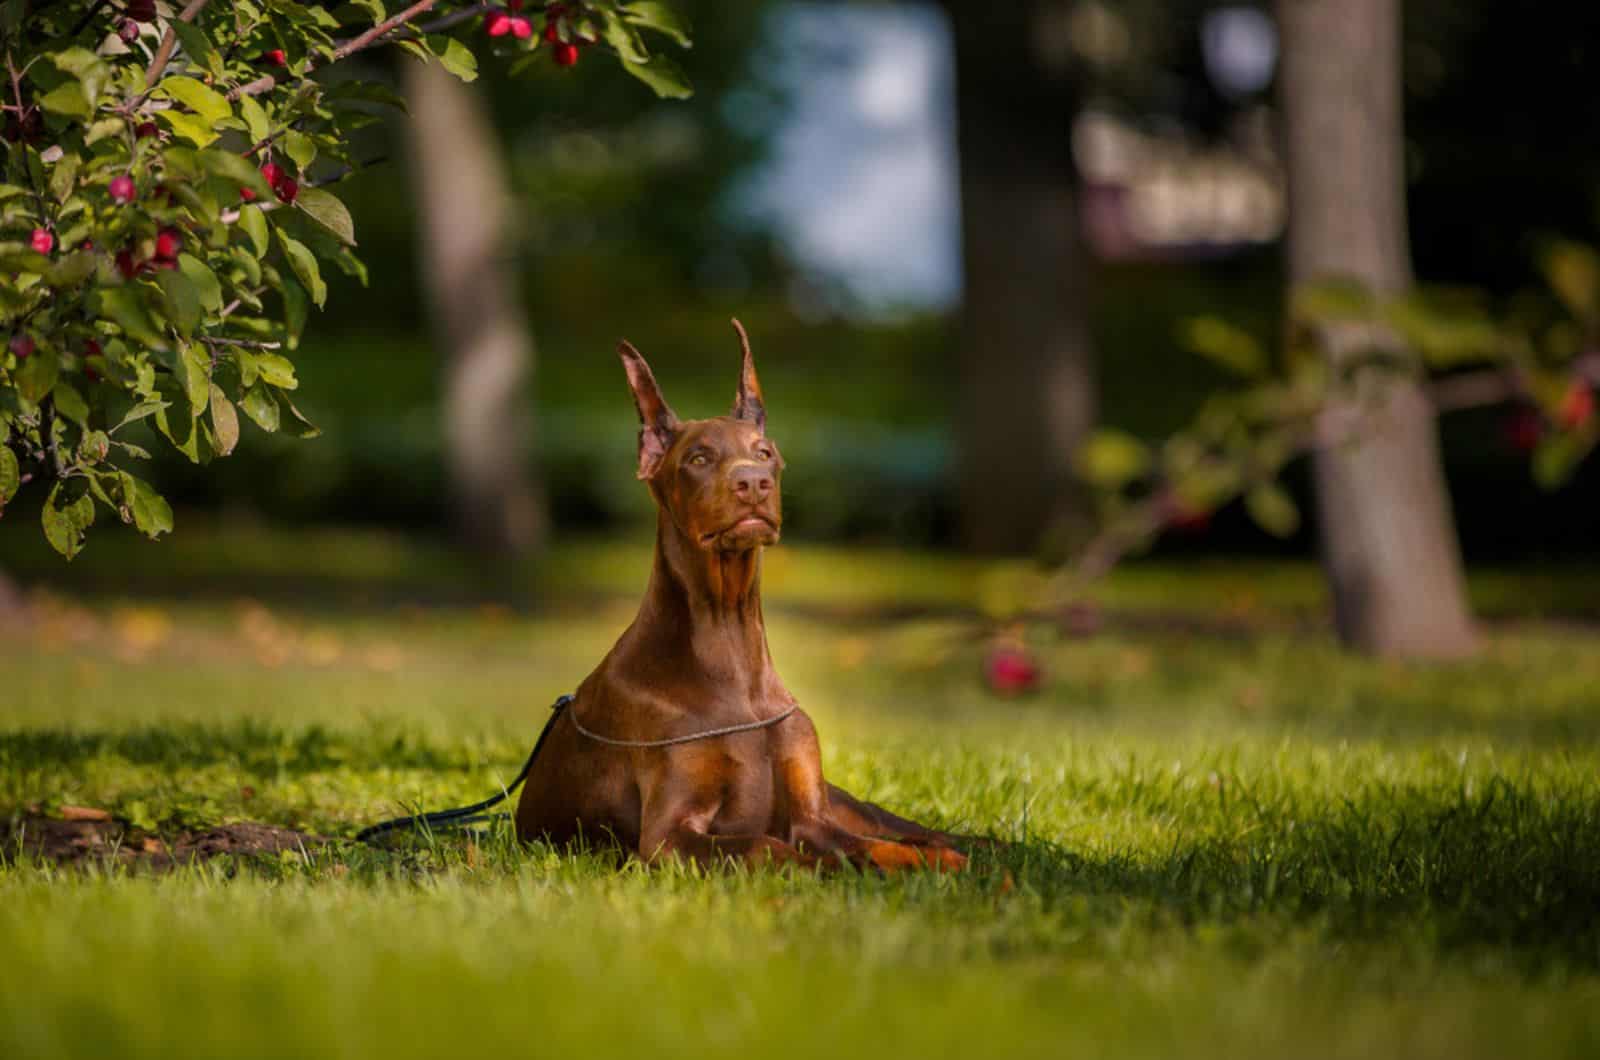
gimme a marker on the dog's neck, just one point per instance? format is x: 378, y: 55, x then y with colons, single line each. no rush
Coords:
x: 710, y: 603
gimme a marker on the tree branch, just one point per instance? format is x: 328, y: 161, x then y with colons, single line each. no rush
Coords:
x: 375, y: 35
x: 163, y: 55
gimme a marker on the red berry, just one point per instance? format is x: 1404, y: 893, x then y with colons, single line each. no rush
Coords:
x: 141, y: 10
x: 514, y: 5
x: 122, y: 189
x: 91, y: 348
x: 566, y: 54
x: 1577, y: 406
x: 127, y: 264
x: 90, y: 374
x: 1010, y: 670
x: 521, y: 28
x: 42, y: 240
x: 128, y: 31
x: 247, y: 195
x: 287, y: 187
x: 275, y: 57
x: 1523, y: 429
x: 22, y: 346
x: 146, y: 129
x: 497, y: 23
x: 168, y: 244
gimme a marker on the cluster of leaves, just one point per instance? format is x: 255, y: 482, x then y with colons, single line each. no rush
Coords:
x: 165, y: 214
x: 1540, y: 352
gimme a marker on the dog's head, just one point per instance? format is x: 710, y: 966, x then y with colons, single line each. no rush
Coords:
x: 717, y: 479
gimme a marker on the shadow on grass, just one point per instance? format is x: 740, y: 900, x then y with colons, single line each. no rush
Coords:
x: 252, y: 747
x: 1510, y: 868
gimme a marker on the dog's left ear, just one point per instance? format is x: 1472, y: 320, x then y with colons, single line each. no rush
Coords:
x: 747, y: 403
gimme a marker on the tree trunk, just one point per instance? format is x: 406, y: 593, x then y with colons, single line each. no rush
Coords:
x: 469, y: 274
x: 1388, y: 538
x: 1026, y: 365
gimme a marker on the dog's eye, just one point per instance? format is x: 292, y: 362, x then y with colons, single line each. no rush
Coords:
x: 699, y: 460
x: 764, y: 453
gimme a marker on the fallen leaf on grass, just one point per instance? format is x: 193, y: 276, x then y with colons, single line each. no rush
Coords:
x: 84, y: 813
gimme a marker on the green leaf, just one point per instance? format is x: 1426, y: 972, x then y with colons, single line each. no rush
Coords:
x: 1332, y: 299
x: 103, y: 128
x: 72, y: 269
x: 67, y: 99
x: 125, y: 305
x: 1573, y: 272
x: 37, y: 376
x: 65, y: 520
x: 254, y: 223
x: 10, y: 474
x: 30, y: 261
x: 139, y: 412
x: 326, y: 209
x: 206, y: 102
x: 1231, y: 347
x: 230, y: 166
x: 299, y: 147
x: 191, y: 127
x: 224, y: 420
x: 458, y: 59
x: 259, y: 404
x: 623, y: 37
x: 204, y: 280
x: 1272, y: 509
x: 298, y: 425
x: 69, y: 403
x: 178, y: 424
x: 194, y: 375
x: 664, y: 77
x: 275, y: 370
x: 296, y: 307
x: 151, y: 512
x: 90, y: 70
x: 1111, y: 458
x: 660, y: 17
x: 304, y: 264
x: 64, y: 177
x: 1557, y: 457
x: 255, y: 118
x: 197, y: 46
x: 183, y: 300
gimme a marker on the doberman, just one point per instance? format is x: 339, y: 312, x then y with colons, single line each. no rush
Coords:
x: 684, y: 741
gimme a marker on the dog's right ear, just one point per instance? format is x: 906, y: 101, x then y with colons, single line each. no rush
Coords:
x: 658, y: 426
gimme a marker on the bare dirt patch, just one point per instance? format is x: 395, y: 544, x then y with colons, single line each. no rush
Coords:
x: 81, y: 835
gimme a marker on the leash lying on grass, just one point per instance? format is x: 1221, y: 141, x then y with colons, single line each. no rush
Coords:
x: 462, y: 816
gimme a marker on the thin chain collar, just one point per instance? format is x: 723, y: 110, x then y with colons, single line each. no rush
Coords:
x: 565, y: 702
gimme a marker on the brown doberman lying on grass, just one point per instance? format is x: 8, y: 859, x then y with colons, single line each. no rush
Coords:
x: 684, y: 741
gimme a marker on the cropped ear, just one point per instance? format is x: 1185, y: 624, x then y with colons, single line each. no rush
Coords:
x: 658, y: 426
x: 747, y: 403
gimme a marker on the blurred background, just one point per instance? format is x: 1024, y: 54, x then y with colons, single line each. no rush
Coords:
x: 863, y: 184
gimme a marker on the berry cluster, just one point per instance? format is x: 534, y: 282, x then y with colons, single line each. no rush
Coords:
x: 559, y: 32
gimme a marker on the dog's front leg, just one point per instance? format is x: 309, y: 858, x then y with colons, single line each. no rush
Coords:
x: 681, y: 793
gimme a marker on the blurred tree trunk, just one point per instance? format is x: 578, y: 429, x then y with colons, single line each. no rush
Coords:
x: 1388, y: 538
x: 1026, y: 363
x: 469, y: 274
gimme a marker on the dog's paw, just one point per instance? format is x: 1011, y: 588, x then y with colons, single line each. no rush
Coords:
x: 898, y: 857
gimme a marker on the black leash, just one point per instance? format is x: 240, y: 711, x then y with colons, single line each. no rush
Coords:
x: 462, y: 816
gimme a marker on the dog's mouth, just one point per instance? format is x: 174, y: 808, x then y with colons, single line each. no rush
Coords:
x: 748, y: 531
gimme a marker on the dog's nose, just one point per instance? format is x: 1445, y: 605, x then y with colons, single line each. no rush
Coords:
x: 752, y: 484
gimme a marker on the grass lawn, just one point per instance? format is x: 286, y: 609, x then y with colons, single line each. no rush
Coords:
x: 1229, y: 839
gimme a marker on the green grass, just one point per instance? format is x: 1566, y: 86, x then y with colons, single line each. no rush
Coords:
x: 1229, y: 843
